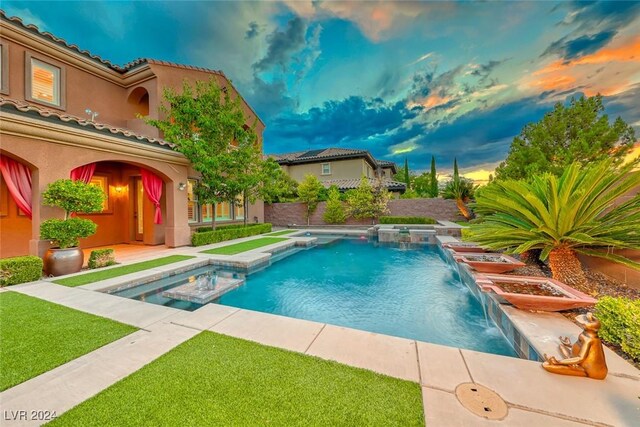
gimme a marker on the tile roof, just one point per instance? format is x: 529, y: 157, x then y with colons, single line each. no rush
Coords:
x: 349, y: 184
x: 26, y: 108
x: 386, y: 163
x: 310, y: 156
x: 120, y: 69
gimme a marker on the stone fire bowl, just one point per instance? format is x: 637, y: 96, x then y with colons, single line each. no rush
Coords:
x: 456, y: 247
x: 570, y: 299
x: 503, y: 263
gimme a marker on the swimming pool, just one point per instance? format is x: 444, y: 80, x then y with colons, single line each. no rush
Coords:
x: 410, y: 293
x: 353, y: 282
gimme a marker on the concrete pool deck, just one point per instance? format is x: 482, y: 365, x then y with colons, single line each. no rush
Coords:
x: 534, y: 396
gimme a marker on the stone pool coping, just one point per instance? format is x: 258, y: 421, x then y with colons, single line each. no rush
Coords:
x: 533, y: 396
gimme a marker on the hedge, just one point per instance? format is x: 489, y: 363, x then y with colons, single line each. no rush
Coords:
x: 220, y: 227
x: 407, y: 220
x: 102, y: 258
x: 228, y: 233
x: 20, y: 269
x: 620, y: 318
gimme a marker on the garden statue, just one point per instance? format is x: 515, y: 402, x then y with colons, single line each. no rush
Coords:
x: 585, y: 358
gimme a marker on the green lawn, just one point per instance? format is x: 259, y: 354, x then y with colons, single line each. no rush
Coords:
x: 37, y: 336
x: 217, y: 380
x: 244, y: 246
x: 281, y: 232
x: 96, y: 276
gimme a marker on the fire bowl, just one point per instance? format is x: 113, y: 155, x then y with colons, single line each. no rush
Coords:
x: 464, y: 247
x: 534, y: 293
x: 488, y: 262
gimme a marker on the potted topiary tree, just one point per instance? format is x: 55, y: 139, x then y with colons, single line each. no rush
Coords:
x: 71, y: 196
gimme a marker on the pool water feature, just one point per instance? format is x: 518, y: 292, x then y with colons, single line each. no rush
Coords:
x: 411, y: 293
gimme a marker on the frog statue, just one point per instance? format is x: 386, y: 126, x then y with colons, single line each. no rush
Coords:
x: 585, y: 358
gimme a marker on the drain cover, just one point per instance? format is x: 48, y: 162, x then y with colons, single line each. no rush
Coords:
x: 481, y: 401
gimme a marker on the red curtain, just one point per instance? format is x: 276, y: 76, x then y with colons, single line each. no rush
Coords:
x: 18, y: 179
x: 83, y: 173
x: 152, y: 185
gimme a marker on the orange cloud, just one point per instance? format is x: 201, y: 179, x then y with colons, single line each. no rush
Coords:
x: 375, y: 18
x: 609, y: 71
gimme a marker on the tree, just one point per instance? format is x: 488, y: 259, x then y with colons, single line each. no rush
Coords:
x: 367, y: 201
x: 208, y: 126
x: 421, y: 185
x: 334, y: 212
x: 433, y: 179
x: 461, y: 190
x: 72, y: 197
x: 577, y: 212
x: 276, y: 185
x: 407, y: 177
x: 309, y: 192
x: 580, y: 132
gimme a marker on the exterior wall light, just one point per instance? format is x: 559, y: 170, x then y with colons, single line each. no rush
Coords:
x: 182, y: 186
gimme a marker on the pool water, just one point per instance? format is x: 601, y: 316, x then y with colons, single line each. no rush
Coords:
x: 411, y: 293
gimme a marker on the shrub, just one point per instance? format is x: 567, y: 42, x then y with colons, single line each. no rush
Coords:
x: 367, y: 201
x: 407, y: 220
x: 218, y: 227
x: 228, y: 233
x: 334, y: 211
x: 73, y: 196
x: 620, y: 318
x: 20, y: 269
x: 66, y: 232
x: 102, y: 258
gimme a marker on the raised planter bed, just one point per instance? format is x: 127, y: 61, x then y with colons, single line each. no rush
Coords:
x: 534, y: 293
x: 489, y: 262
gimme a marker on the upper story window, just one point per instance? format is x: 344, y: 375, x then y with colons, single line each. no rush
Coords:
x: 4, y: 68
x: 44, y: 82
x: 326, y: 169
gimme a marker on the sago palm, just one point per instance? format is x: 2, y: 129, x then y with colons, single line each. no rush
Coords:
x: 461, y: 190
x: 582, y: 211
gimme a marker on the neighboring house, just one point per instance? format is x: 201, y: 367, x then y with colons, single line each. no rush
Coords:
x: 67, y: 113
x: 340, y: 167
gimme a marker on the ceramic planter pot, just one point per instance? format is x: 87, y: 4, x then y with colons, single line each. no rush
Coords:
x: 58, y: 262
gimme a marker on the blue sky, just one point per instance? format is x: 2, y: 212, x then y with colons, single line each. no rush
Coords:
x: 401, y: 79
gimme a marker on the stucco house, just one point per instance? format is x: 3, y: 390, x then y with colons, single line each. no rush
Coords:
x: 66, y: 113
x: 340, y: 167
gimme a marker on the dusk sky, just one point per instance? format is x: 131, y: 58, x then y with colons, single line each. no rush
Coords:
x: 401, y: 79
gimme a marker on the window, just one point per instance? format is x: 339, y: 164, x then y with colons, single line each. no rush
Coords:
x: 102, y: 182
x: 223, y: 211
x: 203, y: 213
x: 207, y: 212
x: 326, y: 169
x: 4, y: 68
x: 192, y: 201
x: 239, y: 208
x: 44, y: 82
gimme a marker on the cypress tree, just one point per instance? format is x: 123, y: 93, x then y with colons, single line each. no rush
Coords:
x: 456, y: 175
x: 433, y: 179
x: 407, y: 179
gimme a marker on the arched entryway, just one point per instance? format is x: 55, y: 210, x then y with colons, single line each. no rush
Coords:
x: 16, y: 205
x: 135, y: 208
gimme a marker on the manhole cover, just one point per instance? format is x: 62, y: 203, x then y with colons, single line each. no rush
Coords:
x: 481, y: 401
